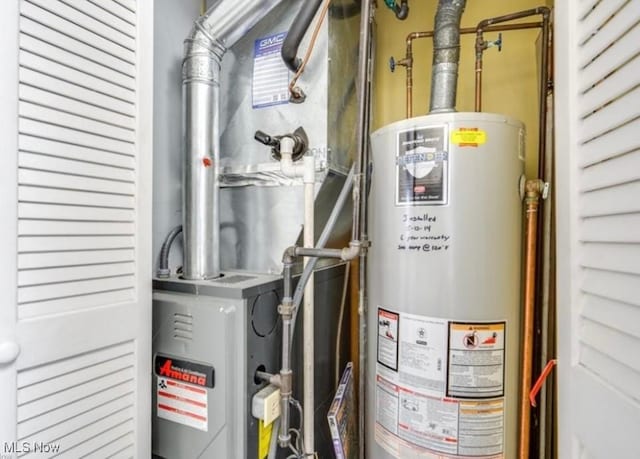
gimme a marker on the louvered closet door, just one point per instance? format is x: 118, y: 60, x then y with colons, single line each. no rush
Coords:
x: 598, y: 190
x: 76, y: 90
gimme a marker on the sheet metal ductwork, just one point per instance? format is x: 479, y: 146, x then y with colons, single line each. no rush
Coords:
x: 446, y: 55
x: 218, y: 29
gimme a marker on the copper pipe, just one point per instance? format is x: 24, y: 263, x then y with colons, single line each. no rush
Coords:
x: 545, y: 73
x: 408, y: 59
x: 533, y: 190
x: 478, y: 93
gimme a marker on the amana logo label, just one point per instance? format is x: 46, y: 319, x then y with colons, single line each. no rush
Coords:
x: 184, y: 370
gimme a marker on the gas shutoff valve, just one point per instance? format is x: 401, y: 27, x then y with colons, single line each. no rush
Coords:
x: 300, y: 143
x: 495, y: 43
x: 288, y: 149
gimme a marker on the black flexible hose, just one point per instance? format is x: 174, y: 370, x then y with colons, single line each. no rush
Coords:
x: 296, y: 32
x: 163, y: 268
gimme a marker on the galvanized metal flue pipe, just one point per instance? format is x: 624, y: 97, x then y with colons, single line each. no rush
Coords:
x: 212, y: 34
x: 407, y: 61
x: 533, y: 193
x: 446, y: 56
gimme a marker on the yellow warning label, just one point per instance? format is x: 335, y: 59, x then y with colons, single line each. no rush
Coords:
x: 458, y: 326
x: 468, y: 137
x: 476, y: 360
x: 264, y: 438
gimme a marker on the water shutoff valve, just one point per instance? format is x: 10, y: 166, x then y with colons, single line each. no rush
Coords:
x: 496, y: 43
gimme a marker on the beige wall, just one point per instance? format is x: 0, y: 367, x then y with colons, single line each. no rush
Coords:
x: 510, y: 77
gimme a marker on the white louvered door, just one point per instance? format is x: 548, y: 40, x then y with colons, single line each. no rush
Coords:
x: 598, y: 190
x: 76, y: 108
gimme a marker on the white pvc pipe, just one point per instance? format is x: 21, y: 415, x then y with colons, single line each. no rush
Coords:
x: 308, y: 317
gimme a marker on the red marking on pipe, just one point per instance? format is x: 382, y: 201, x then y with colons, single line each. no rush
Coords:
x: 207, y: 162
x: 541, y: 379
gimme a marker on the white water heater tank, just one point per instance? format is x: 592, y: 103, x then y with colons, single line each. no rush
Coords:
x: 444, y: 287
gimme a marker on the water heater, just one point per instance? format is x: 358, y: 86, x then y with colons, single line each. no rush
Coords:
x: 444, y: 287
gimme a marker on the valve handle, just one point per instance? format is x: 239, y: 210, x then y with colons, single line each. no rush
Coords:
x: 265, y: 139
x: 495, y: 43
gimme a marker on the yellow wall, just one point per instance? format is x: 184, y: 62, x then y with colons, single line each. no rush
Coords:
x: 510, y: 77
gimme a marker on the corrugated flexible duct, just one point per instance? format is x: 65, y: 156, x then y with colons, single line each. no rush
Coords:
x: 446, y: 55
x: 213, y: 33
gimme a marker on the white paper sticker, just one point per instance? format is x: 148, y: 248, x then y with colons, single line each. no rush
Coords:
x: 387, y: 405
x: 410, y: 402
x: 270, y: 74
x: 481, y: 428
x: 388, y: 339
x: 428, y: 422
x: 182, y: 403
x: 476, y: 360
x: 444, y: 397
x: 423, y: 353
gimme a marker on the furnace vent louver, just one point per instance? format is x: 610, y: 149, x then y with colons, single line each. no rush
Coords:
x: 183, y: 326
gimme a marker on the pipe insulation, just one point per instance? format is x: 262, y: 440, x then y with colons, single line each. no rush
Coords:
x: 212, y: 34
x: 446, y: 55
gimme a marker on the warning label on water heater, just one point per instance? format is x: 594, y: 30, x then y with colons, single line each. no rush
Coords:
x: 422, y: 166
x: 439, y: 387
x: 476, y: 360
x: 388, y: 339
